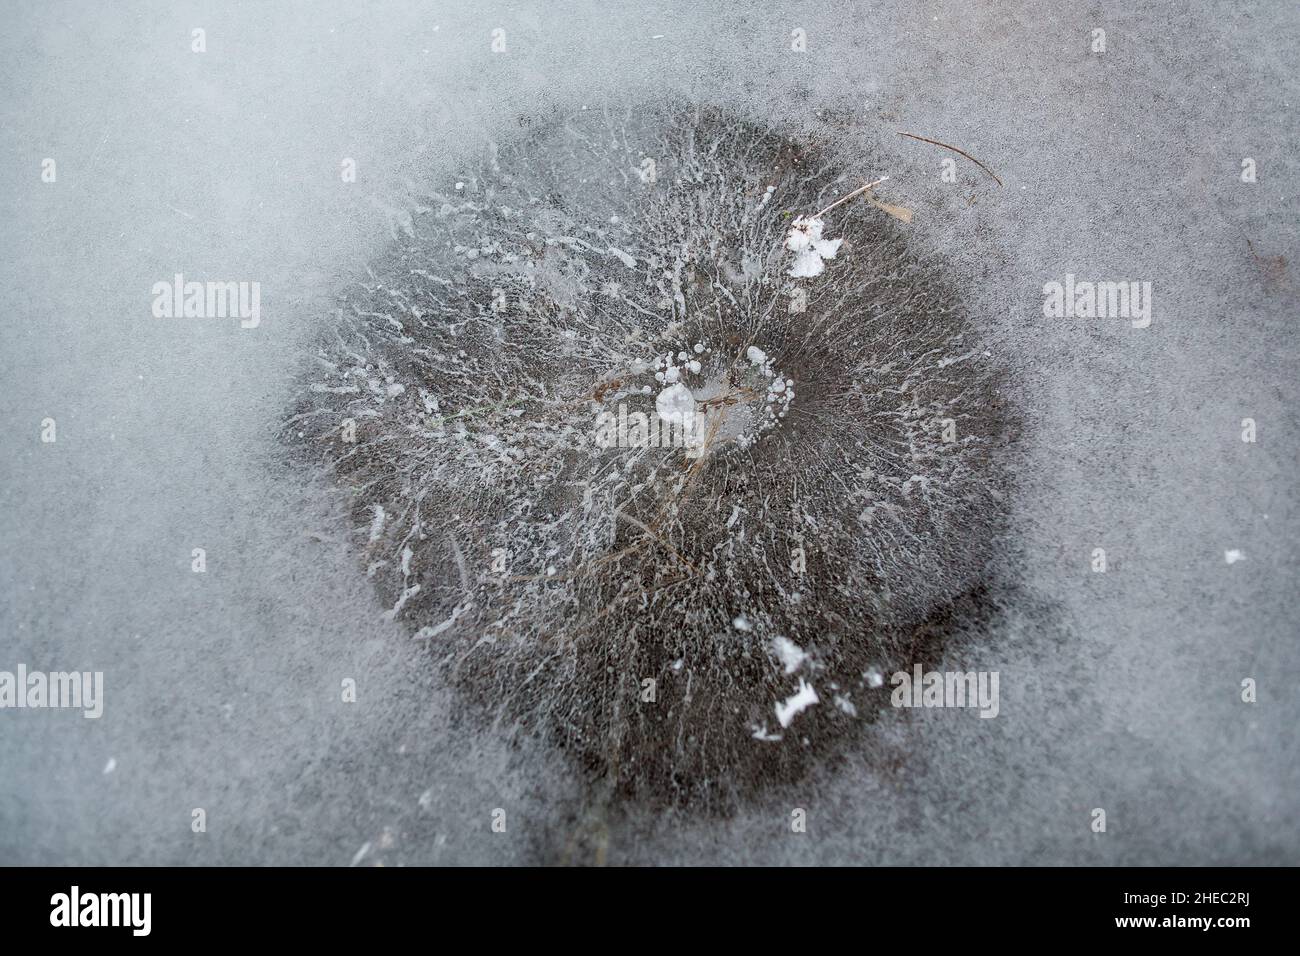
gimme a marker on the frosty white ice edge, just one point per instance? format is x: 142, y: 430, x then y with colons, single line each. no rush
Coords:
x: 131, y: 910
x: 179, y: 299
x: 1098, y: 300
x: 924, y: 688
x: 688, y: 628
x: 82, y: 690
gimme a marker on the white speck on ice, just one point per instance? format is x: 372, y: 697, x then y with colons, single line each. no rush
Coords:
x: 792, y: 706
x: 846, y: 705
x: 742, y: 624
x: 755, y: 355
x: 874, y: 678
x: 1232, y: 557
x: 111, y: 765
x: 791, y: 654
x: 760, y: 733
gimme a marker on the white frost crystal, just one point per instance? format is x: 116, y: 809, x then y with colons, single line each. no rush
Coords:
x: 806, y: 242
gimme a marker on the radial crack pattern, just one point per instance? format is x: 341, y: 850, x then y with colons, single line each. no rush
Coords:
x: 689, y: 619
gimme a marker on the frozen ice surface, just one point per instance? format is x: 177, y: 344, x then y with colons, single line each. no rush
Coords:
x: 1120, y: 690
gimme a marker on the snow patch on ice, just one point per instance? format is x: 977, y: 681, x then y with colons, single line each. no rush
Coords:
x: 791, y: 655
x: 792, y: 706
x: 810, y: 249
